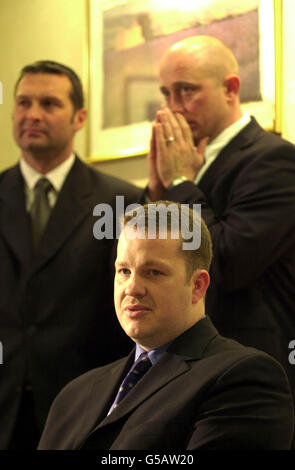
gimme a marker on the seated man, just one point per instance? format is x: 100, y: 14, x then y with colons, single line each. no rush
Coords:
x: 200, y: 390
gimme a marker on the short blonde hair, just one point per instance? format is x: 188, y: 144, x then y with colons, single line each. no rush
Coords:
x: 199, y: 258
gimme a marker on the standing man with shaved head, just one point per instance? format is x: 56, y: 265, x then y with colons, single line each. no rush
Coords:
x: 205, y: 150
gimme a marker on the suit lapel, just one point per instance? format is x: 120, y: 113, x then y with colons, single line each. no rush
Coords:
x: 224, y: 162
x: 176, y: 361
x: 101, y: 396
x: 72, y: 206
x: 14, y: 219
x: 164, y: 371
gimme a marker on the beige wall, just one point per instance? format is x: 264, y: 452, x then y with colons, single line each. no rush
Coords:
x: 56, y: 29
x: 31, y: 30
x: 288, y: 89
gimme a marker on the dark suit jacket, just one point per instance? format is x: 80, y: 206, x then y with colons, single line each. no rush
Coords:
x: 206, y: 392
x: 56, y: 311
x: 248, y: 203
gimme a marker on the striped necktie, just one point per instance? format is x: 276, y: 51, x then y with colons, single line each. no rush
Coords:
x: 139, y: 368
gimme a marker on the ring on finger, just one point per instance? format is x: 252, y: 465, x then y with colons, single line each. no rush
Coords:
x: 170, y: 139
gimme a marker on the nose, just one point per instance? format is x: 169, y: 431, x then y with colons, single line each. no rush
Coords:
x: 135, y: 287
x: 34, y: 112
x: 175, y: 103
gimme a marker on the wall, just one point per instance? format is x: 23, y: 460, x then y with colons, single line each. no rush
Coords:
x: 31, y: 30
x: 56, y: 29
x: 288, y: 73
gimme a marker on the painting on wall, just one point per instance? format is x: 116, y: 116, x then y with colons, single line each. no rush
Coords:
x: 126, y: 42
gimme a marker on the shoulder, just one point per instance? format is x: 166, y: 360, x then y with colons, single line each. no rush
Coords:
x: 236, y: 362
x: 107, y: 184
x: 246, y: 403
x: 9, y: 173
x: 79, y: 387
x: 263, y: 140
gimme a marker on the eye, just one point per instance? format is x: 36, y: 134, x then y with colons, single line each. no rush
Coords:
x: 154, y: 272
x: 123, y: 271
x: 23, y: 103
x: 48, y: 104
x: 186, y: 89
x: 165, y: 92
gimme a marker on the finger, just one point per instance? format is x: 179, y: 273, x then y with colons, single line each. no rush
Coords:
x: 160, y: 140
x: 158, y: 116
x: 167, y: 125
x: 185, y: 128
x: 152, y: 152
x: 180, y: 126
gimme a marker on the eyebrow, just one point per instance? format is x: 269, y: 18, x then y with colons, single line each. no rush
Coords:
x: 178, y: 85
x: 147, y: 264
x: 45, y: 97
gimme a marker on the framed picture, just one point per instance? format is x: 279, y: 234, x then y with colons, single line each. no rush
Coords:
x: 127, y: 38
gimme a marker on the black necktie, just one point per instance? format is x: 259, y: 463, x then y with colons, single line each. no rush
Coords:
x: 139, y: 368
x: 40, y: 210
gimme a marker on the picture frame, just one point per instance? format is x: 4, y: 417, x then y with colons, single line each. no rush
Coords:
x: 126, y: 40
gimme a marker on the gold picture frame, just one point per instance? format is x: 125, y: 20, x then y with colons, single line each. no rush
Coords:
x: 114, y: 103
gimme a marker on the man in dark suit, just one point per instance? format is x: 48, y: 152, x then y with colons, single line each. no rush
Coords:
x: 56, y: 308
x: 200, y: 391
x: 205, y: 150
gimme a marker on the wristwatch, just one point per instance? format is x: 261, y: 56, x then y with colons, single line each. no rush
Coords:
x: 178, y: 180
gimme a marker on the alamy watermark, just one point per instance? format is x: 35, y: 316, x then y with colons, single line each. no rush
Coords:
x: 1, y: 353
x: 157, y: 222
x: 292, y: 353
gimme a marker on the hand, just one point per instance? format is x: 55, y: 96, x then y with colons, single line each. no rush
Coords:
x: 179, y: 157
x: 155, y: 185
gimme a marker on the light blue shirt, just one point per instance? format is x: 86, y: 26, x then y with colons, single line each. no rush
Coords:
x: 154, y: 355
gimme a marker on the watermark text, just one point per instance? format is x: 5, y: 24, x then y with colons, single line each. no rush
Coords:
x: 292, y: 353
x: 151, y: 225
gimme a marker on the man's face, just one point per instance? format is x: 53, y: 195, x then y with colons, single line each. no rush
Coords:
x: 190, y: 91
x: 43, y: 117
x: 153, y: 299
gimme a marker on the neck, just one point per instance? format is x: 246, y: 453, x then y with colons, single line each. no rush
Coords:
x: 45, y: 162
x: 234, y: 117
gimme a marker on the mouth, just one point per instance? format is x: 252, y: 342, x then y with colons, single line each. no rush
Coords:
x: 192, y: 124
x: 33, y: 132
x: 137, y: 310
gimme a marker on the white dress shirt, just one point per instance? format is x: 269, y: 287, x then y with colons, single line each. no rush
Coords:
x: 216, y: 145
x: 56, y: 177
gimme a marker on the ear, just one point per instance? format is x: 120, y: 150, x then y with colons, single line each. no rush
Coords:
x: 232, y: 85
x: 200, y: 283
x: 80, y: 118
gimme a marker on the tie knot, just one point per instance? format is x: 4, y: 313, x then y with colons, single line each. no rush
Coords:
x: 141, y: 365
x: 43, y: 185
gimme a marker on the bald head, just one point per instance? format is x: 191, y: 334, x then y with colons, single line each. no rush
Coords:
x: 199, y: 79
x: 206, y: 53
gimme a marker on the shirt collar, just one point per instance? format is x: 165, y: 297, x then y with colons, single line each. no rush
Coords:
x: 56, y: 176
x: 153, y: 355
x: 226, y: 136
x: 214, y: 148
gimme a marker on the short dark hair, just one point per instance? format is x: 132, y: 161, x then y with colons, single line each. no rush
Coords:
x: 55, y: 68
x: 199, y: 258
